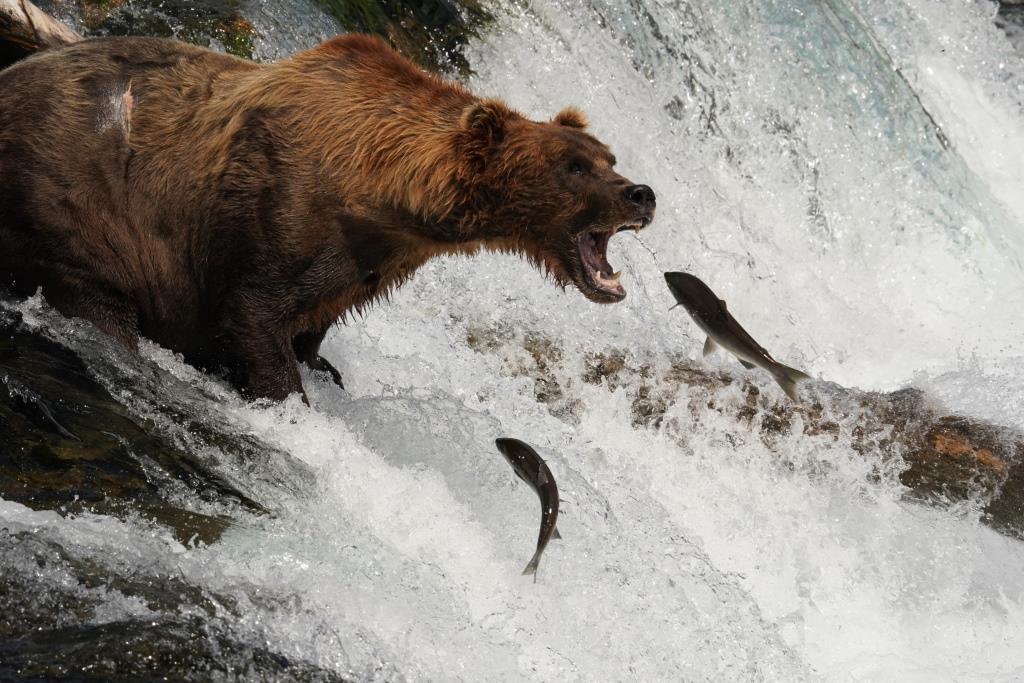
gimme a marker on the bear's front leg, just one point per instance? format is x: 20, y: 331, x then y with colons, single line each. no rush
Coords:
x: 307, y: 350
x: 271, y: 368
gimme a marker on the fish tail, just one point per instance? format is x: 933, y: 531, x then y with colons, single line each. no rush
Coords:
x: 788, y: 378
x: 531, y: 567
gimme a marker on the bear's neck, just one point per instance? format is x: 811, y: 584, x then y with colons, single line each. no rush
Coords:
x: 382, y: 139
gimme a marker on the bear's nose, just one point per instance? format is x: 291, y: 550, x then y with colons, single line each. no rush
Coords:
x: 641, y: 195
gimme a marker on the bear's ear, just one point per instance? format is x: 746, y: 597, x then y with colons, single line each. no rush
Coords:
x: 486, y: 119
x: 483, y: 125
x: 572, y: 117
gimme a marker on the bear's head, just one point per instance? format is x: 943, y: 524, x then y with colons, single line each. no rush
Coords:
x: 549, y: 191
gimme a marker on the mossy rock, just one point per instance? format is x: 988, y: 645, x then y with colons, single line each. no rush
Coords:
x: 432, y: 33
x: 196, y: 21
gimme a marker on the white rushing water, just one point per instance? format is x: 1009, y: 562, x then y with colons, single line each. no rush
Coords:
x: 847, y: 174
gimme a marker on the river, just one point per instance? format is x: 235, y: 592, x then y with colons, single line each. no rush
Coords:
x: 846, y: 173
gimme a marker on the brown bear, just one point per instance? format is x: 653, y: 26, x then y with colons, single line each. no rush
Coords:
x: 234, y: 211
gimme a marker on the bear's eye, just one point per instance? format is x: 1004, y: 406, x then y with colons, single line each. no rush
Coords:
x: 576, y: 168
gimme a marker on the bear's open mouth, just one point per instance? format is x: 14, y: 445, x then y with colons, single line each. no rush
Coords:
x: 597, y: 272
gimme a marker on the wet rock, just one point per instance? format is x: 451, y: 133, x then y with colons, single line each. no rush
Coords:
x: 433, y: 33
x: 603, y: 367
x: 67, y: 445
x: 1010, y: 19
x: 57, y: 623
x: 146, y: 650
x: 943, y: 459
x: 430, y: 32
x: 951, y: 458
x: 154, y: 455
x: 531, y: 355
x: 210, y: 23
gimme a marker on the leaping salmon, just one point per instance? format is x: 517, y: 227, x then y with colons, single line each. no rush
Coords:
x: 712, y: 316
x: 532, y: 469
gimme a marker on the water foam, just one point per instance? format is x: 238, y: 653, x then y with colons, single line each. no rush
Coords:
x: 808, y: 182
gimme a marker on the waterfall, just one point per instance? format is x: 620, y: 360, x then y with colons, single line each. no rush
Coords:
x: 846, y: 173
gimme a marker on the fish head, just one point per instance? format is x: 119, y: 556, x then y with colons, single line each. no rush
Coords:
x: 513, y: 450
x: 695, y: 296
x: 524, y: 460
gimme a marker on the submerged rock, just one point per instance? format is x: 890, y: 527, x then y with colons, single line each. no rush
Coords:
x: 154, y: 458
x: 61, y: 629
x: 146, y: 650
x: 942, y: 459
x: 66, y: 444
x: 1010, y: 18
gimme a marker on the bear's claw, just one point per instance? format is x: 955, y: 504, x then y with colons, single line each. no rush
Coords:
x: 319, y: 364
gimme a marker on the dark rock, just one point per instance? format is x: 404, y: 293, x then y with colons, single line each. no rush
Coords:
x: 66, y: 444
x: 195, y: 21
x: 945, y: 459
x: 51, y: 627
x: 431, y: 32
x: 1010, y: 19
x: 170, y: 648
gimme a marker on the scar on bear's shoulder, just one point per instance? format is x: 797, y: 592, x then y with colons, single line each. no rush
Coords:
x: 116, y: 111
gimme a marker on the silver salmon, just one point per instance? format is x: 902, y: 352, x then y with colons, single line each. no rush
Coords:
x: 712, y: 316
x: 532, y: 469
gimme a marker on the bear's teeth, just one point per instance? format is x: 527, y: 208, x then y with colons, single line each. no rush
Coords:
x: 598, y: 270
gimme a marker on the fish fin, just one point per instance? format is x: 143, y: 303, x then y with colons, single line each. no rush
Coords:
x: 676, y: 306
x: 725, y: 306
x: 531, y: 566
x: 746, y: 363
x: 788, y: 378
x: 709, y: 346
x: 555, y: 534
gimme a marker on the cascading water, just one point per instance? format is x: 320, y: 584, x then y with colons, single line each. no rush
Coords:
x: 846, y: 174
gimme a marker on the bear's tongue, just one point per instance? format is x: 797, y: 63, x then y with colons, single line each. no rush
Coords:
x: 592, y: 252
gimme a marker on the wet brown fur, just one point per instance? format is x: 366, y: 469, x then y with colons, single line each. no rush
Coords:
x: 234, y: 211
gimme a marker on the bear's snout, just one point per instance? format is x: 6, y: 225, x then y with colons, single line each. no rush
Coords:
x: 641, y: 195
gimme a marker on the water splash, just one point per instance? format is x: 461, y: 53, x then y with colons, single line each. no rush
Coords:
x: 854, y: 216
